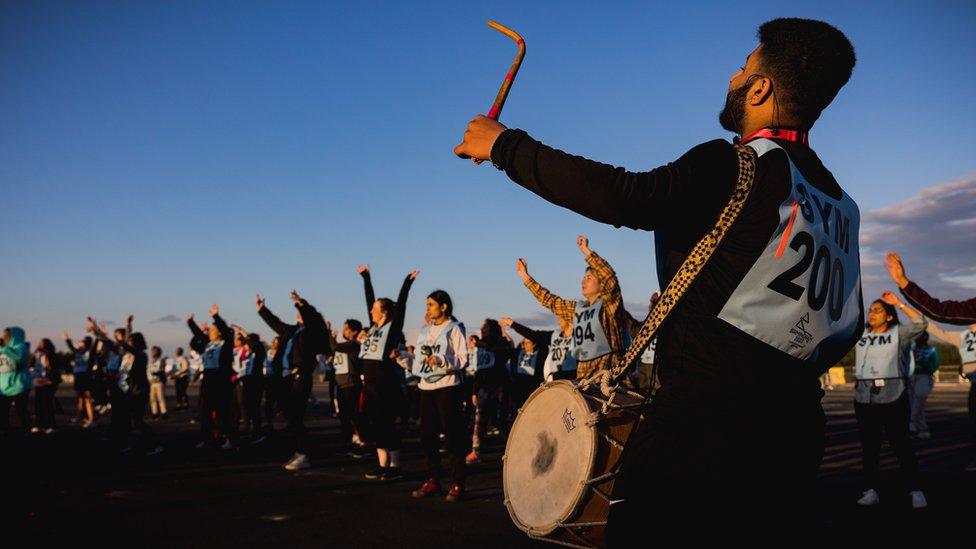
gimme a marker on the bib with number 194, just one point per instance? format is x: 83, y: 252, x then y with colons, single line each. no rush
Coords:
x: 589, y: 339
x: 804, y: 290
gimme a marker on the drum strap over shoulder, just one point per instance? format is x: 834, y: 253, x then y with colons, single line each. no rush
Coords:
x: 686, y: 275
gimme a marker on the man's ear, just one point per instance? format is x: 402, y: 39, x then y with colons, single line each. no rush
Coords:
x: 760, y: 91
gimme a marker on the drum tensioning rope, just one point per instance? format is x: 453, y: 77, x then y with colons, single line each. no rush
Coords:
x: 499, y: 104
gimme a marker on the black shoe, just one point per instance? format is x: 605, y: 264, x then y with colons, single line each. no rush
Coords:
x: 375, y: 474
x: 392, y: 473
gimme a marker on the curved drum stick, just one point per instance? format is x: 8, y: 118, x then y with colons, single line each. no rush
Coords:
x: 496, y: 108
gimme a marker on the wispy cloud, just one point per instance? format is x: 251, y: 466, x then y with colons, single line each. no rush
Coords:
x: 537, y: 320
x: 934, y: 232
x: 167, y: 318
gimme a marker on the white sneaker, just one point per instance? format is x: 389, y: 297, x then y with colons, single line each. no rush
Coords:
x: 299, y: 462
x: 971, y: 466
x: 35, y: 430
x: 155, y: 451
x: 259, y: 440
x: 227, y: 445
x: 924, y: 435
x: 200, y: 445
x: 86, y: 424
x: 48, y: 431
x: 871, y: 498
x: 918, y: 500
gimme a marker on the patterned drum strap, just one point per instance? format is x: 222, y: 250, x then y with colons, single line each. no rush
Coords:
x: 686, y: 275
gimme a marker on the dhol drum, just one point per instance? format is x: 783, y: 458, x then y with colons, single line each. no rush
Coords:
x: 561, y: 460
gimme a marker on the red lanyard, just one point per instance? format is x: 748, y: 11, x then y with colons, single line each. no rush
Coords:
x: 775, y: 133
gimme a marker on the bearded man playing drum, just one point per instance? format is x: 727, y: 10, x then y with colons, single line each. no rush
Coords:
x: 734, y: 436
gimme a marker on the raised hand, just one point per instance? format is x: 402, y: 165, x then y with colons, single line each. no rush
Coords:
x: 522, y: 268
x: 295, y: 297
x: 259, y: 301
x: 584, y: 245
x: 189, y: 317
x: 479, y: 137
x: 413, y: 275
x: 64, y: 333
x: 890, y: 298
x: 506, y: 321
x: 896, y: 269
x: 362, y: 268
x: 214, y: 310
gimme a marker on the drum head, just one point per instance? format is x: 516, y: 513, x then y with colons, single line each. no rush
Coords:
x: 549, y: 454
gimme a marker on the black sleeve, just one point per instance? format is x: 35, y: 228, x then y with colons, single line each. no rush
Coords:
x: 274, y: 322
x: 197, y: 332
x: 316, y: 335
x: 370, y: 295
x: 612, y: 195
x: 226, y: 332
x: 541, y: 339
x: 400, y: 311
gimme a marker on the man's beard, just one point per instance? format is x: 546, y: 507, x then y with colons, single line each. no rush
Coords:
x: 733, y: 115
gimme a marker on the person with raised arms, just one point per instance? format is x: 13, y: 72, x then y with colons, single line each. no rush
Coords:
x: 383, y: 396
x: 554, y: 345
x: 83, y: 354
x: 529, y: 362
x: 959, y: 313
x: 216, y: 348
x: 133, y: 382
x: 303, y: 342
x: 881, y: 401
x: 601, y: 324
x: 440, y: 356
x: 251, y: 378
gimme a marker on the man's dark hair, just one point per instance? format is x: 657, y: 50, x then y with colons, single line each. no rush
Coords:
x: 354, y: 325
x: 809, y: 62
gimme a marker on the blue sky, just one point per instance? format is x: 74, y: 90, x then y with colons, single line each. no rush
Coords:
x: 158, y: 157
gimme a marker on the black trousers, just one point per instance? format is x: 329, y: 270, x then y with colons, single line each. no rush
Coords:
x: 128, y: 413
x: 272, y: 400
x: 383, y: 402
x: 301, y: 388
x: 181, y: 384
x: 253, y: 386
x: 44, y: 406
x: 215, y: 401
x: 875, y: 422
x: 348, y: 411
x: 20, y: 403
x: 441, y: 412
x: 702, y: 470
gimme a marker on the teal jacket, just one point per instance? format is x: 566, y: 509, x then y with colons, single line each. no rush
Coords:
x: 14, y: 360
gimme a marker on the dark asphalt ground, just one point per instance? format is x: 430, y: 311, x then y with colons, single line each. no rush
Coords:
x: 73, y: 486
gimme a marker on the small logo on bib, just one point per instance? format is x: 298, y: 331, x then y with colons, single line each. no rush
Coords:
x: 568, y: 421
x: 801, y: 337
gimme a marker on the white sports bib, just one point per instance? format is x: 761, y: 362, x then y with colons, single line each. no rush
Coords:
x: 341, y: 363
x: 805, y: 288
x: 967, y: 351
x: 559, y: 358
x: 375, y: 343
x: 876, y: 356
x: 525, y: 366
x: 647, y: 357
x: 437, y: 346
x: 589, y: 339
